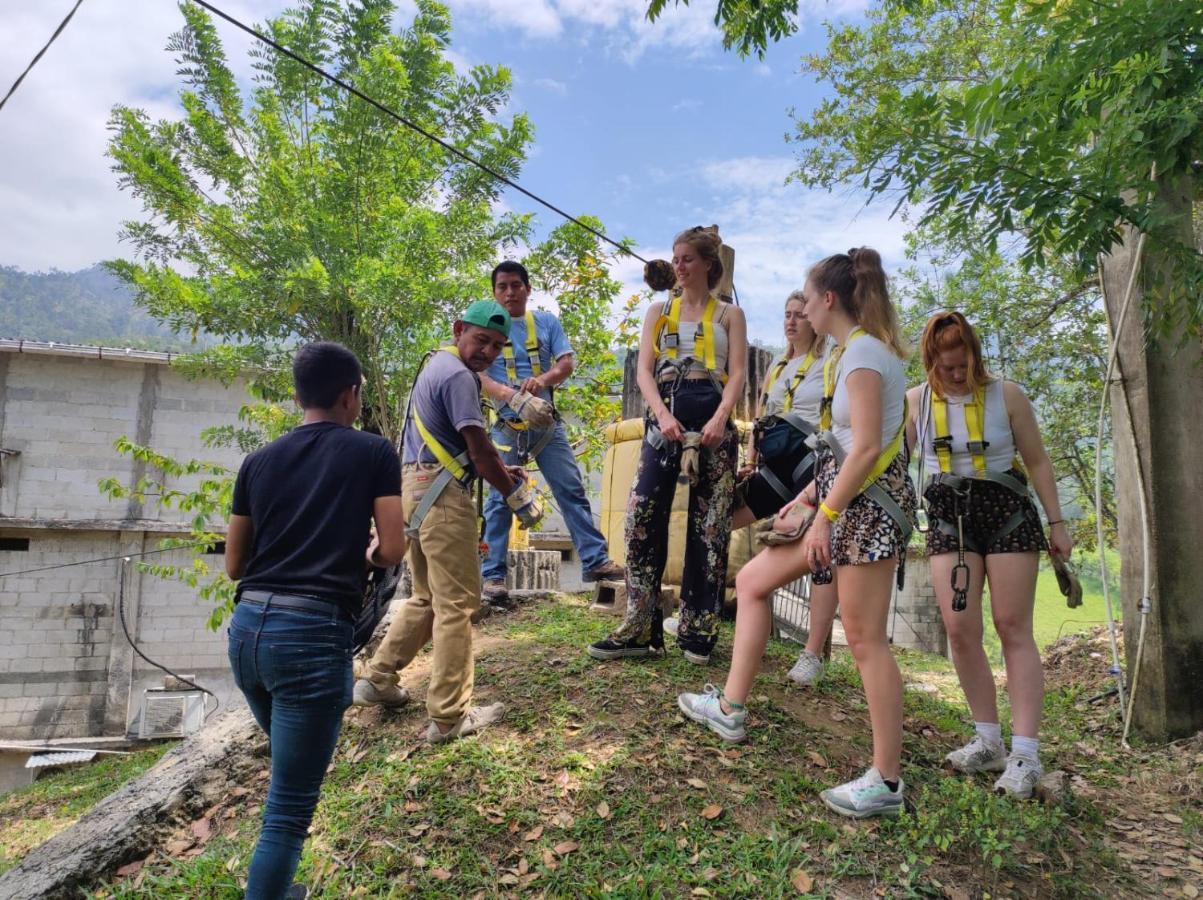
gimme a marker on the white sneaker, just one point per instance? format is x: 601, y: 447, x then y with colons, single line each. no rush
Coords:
x: 671, y: 624
x: 807, y: 670
x: 866, y: 796
x: 706, y: 708
x: 1020, y: 778
x: 978, y: 756
x: 473, y: 720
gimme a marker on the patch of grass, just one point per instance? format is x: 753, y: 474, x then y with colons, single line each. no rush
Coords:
x: 595, y: 786
x: 32, y: 814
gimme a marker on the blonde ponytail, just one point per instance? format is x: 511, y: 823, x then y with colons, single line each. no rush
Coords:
x: 859, y: 281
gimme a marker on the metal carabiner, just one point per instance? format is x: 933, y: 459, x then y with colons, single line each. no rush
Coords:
x: 960, y: 572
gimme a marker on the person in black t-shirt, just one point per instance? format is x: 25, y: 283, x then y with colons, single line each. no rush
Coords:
x: 298, y: 542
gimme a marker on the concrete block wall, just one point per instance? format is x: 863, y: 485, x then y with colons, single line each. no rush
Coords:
x: 61, y: 642
x: 63, y: 414
x: 56, y: 630
x: 918, y: 623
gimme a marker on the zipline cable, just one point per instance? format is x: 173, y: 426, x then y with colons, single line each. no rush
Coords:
x: 413, y: 126
x: 102, y: 559
x: 33, y: 62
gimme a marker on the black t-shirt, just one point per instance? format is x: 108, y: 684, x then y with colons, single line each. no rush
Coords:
x: 309, y: 495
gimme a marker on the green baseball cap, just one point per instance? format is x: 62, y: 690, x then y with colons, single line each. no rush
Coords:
x: 488, y: 314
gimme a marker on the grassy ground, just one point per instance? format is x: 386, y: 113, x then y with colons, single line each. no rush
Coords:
x: 1052, y: 618
x: 31, y: 815
x: 595, y: 785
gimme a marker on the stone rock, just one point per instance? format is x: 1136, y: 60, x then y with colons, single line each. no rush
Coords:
x: 1053, y: 789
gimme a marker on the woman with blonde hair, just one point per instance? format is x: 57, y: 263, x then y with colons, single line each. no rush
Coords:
x: 980, y: 445
x: 691, y: 372
x: 865, y: 504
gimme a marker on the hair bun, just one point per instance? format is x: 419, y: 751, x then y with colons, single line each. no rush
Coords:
x: 658, y: 275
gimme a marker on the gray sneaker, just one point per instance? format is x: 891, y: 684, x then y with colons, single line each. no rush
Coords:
x: 807, y: 670
x: 978, y: 756
x: 1020, y: 778
x: 863, y: 797
x: 367, y: 694
x: 706, y: 708
x: 473, y: 720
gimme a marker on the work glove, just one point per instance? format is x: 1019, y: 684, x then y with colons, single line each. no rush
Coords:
x: 690, y: 461
x: 526, y: 504
x: 532, y: 410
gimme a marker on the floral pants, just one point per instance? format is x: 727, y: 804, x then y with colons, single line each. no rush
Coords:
x: 708, y: 532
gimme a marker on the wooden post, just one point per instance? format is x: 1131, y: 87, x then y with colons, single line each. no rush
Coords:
x: 1155, y: 395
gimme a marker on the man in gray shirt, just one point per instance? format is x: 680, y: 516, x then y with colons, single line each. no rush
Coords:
x: 445, y: 447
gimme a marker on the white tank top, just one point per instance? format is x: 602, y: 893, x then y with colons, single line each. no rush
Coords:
x: 688, y: 336
x: 1000, y: 452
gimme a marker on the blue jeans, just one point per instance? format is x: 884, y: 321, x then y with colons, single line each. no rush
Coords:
x: 294, y: 666
x: 558, y: 465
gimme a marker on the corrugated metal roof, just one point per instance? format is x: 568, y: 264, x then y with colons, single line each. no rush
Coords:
x: 59, y: 758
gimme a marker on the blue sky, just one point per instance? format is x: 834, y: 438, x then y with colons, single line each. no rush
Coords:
x: 653, y: 128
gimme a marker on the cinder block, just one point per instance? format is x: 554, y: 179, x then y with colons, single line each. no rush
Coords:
x: 610, y: 597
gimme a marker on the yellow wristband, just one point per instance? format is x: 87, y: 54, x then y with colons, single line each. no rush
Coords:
x: 831, y: 514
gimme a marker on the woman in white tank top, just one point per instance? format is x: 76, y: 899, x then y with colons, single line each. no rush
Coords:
x: 976, y: 435
x: 854, y: 534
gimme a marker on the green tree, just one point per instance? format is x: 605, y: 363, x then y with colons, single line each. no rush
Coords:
x: 297, y: 212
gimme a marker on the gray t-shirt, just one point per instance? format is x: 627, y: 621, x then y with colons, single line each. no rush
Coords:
x: 446, y: 397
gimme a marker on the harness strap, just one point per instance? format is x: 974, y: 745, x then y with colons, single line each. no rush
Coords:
x: 532, y: 351
x: 453, y: 467
x: 871, y: 488
x: 775, y: 483
x: 975, y: 425
x: 533, y: 451
x: 668, y: 337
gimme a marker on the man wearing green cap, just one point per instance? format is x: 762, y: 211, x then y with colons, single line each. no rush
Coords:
x: 444, y: 448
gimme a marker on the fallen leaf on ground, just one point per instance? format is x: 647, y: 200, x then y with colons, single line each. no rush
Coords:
x: 701, y: 892
x: 817, y: 758
x: 565, y: 847
x: 441, y: 874
x: 549, y: 860
x: 697, y: 783
x: 801, y: 881
x: 508, y: 878
x: 202, y: 828
x: 837, y: 716
x: 1190, y: 890
x: 603, y: 810
x: 534, y: 834
x: 131, y: 868
x: 712, y: 811
x: 1170, y: 817
x: 710, y: 873
x: 174, y: 848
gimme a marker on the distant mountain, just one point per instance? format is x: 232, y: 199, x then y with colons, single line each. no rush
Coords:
x: 90, y: 306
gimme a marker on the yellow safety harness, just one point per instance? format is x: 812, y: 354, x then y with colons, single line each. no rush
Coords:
x: 962, y: 486
x: 668, y: 336
x: 806, y: 366
x: 975, y: 425
x: 830, y: 375
x: 532, y: 351
x: 453, y: 467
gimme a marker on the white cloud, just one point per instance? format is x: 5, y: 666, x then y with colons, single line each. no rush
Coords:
x: 60, y: 200
x: 778, y: 231
x: 550, y: 84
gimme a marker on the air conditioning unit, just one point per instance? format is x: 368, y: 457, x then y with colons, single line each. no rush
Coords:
x: 165, y: 713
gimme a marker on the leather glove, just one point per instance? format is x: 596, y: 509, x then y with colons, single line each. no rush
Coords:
x: 690, y: 462
x: 532, y: 410
x: 526, y: 504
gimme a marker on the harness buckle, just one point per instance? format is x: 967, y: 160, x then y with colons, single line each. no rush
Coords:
x: 671, y: 341
x: 921, y: 520
x: 975, y: 447
x: 943, y: 442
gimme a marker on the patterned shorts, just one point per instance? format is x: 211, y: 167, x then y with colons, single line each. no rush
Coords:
x: 989, y: 507
x: 865, y: 532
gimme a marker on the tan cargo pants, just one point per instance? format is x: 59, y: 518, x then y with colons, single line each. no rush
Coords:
x: 445, y: 565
